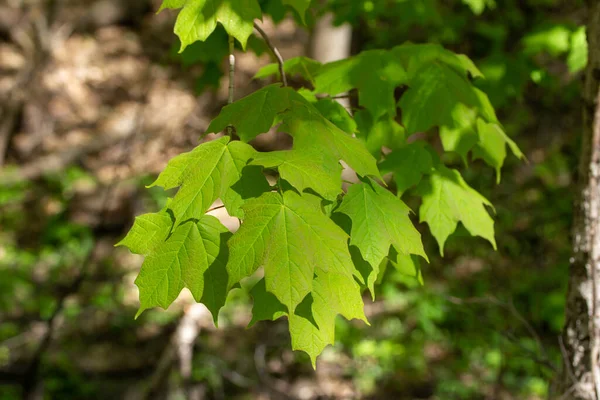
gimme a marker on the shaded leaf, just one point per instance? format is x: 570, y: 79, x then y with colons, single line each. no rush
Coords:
x: 448, y: 200
x: 379, y: 220
x: 179, y: 262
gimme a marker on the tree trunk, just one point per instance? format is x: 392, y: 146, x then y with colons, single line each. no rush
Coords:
x: 580, y: 340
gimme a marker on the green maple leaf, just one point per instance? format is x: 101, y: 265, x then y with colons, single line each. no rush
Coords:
x: 432, y: 97
x: 461, y: 134
x: 415, y: 57
x: 215, y: 237
x: 252, y: 183
x: 199, y: 18
x: 336, y: 114
x: 254, y: 114
x: 147, y: 232
x: 379, y: 220
x: 266, y: 306
x: 407, y: 265
x: 448, y: 200
x: 180, y: 262
x: 409, y: 164
x: 375, y: 73
x: 382, y: 132
x: 305, y: 67
x: 204, y: 174
x: 290, y: 237
x: 299, y: 5
x: 305, y: 169
x: 311, y: 131
x: 312, y: 327
x: 491, y: 146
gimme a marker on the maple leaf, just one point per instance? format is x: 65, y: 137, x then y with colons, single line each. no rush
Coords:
x: 299, y: 5
x: 290, y: 236
x: 312, y: 328
x: 312, y: 325
x: 408, y: 163
x: 374, y: 73
x: 305, y: 170
x: 312, y: 132
x: 198, y: 18
x: 254, y: 114
x: 204, y: 174
x: 384, y: 131
x: 147, y: 232
x: 448, y: 200
x: 379, y: 220
x: 491, y: 146
x: 181, y: 261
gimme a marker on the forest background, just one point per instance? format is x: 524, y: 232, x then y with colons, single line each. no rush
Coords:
x: 95, y: 99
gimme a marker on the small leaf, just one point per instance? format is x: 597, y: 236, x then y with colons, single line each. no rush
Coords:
x: 314, y: 329
x: 460, y: 135
x: 375, y: 73
x: 304, y: 170
x: 407, y: 265
x: 492, y: 145
x: 415, y: 57
x: 179, y: 262
x: 448, y: 200
x: 377, y: 134
x: 198, y: 18
x: 409, y: 164
x: 379, y: 220
x: 147, y: 232
x: 300, y: 6
x: 204, y: 174
x: 336, y: 114
x: 311, y: 131
x: 432, y: 97
x: 254, y: 114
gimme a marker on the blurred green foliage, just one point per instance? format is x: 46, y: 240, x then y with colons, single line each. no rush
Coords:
x: 482, y: 322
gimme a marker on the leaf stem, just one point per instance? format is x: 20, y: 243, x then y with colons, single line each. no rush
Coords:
x: 275, y: 52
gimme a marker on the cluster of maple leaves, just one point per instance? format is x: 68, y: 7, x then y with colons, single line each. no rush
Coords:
x: 318, y: 246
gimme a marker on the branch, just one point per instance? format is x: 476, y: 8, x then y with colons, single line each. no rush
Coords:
x: 275, y: 52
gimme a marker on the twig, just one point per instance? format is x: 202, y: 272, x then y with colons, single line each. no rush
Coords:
x: 216, y: 208
x: 275, y: 52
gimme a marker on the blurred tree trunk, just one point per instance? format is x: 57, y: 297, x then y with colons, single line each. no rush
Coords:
x: 580, y: 340
x: 330, y: 43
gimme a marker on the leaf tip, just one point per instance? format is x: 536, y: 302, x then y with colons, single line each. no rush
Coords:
x: 139, y: 312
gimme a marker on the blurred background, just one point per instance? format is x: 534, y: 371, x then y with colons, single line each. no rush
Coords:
x: 95, y: 99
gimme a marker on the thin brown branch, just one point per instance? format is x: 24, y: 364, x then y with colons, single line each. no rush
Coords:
x: 216, y: 208
x: 275, y: 52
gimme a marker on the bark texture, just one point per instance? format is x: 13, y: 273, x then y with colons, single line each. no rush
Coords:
x: 580, y: 340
